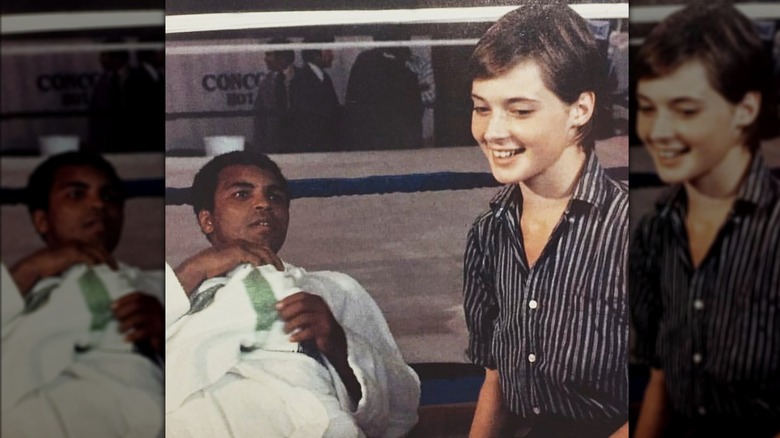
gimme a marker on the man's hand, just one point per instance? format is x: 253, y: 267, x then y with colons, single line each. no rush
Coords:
x: 313, y: 320
x: 140, y: 318
x: 49, y: 262
x: 218, y: 260
x: 308, y: 317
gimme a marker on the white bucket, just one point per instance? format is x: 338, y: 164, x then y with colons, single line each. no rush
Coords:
x: 222, y: 144
x: 57, y: 144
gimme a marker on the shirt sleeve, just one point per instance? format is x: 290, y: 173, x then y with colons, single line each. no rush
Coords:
x: 390, y: 388
x: 479, y: 303
x: 176, y: 301
x: 12, y: 301
x: 644, y: 293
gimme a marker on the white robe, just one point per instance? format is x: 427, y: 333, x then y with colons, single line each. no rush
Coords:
x: 49, y: 389
x: 215, y: 389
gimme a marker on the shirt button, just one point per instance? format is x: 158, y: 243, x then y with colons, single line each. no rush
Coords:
x: 536, y: 410
x: 698, y: 304
x: 533, y: 304
x: 696, y: 358
x: 532, y: 358
x: 701, y: 410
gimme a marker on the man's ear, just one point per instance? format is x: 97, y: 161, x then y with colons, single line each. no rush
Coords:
x: 40, y: 222
x: 582, y: 109
x: 205, y: 222
x: 747, y: 109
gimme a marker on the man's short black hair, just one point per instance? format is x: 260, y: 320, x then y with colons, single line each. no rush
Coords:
x: 42, y: 179
x: 287, y: 55
x: 311, y: 55
x: 204, y: 186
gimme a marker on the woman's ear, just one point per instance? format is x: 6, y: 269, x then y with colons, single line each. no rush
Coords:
x: 205, y: 222
x: 582, y: 109
x: 747, y: 109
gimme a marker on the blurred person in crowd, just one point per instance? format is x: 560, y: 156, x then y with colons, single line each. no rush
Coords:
x: 127, y: 108
x: 108, y: 119
x: 705, y: 264
x: 545, y: 291
x: 272, y: 103
x: 383, y: 104
x: 150, y: 93
x: 256, y: 345
x: 82, y: 333
x: 316, y: 115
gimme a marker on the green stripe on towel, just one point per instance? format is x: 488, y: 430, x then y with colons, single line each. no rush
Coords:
x: 263, y: 299
x: 97, y: 299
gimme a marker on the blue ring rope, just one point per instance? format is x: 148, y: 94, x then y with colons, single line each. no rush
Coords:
x: 370, y: 185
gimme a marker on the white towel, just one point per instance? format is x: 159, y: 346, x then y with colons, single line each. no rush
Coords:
x: 218, y: 390
x: 40, y: 344
x: 210, y: 340
x: 51, y: 390
x: 218, y: 381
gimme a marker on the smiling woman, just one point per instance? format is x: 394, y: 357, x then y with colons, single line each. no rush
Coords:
x: 538, y: 284
x: 705, y: 263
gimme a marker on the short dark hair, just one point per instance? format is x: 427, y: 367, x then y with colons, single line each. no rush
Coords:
x: 560, y: 42
x: 204, y: 185
x: 309, y: 55
x: 727, y: 45
x: 42, y: 178
x: 288, y: 55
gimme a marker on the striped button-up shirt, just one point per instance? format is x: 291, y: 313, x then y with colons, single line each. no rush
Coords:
x: 713, y: 329
x: 558, y: 332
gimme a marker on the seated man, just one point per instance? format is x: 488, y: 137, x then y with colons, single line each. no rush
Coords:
x: 264, y: 348
x: 82, y: 338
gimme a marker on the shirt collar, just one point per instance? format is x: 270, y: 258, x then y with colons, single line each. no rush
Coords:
x: 317, y: 71
x: 589, y: 189
x: 757, y: 189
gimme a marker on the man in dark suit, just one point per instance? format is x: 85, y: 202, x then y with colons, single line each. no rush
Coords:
x: 383, y: 102
x: 315, y: 111
x: 272, y: 104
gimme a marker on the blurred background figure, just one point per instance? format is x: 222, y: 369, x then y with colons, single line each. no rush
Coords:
x: 272, y: 104
x: 383, y: 102
x: 107, y: 109
x: 423, y: 67
x: 127, y: 103
x: 316, y: 116
x: 151, y: 89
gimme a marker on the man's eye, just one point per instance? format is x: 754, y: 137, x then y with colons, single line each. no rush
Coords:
x: 241, y: 194
x: 112, y: 197
x: 75, y: 194
x: 277, y: 197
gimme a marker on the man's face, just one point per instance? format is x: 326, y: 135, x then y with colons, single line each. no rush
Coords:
x: 249, y: 204
x: 521, y: 126
x: 327, y: 58
x: 686, y: 125
x: 84, y: 207
x: 272, y: 62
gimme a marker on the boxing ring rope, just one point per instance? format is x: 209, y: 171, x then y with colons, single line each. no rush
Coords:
x: 370, y: 185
